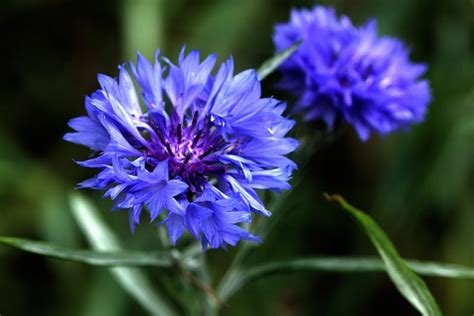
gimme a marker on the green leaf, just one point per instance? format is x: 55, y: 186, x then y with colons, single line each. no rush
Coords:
x: 142, y: 27
x: 342, y: 265
x: 132, y: 280
x: 271, y: 64
x: 116, y: 258
x: 325, y: 264
x: 412, y: 287
x: 142, y: 258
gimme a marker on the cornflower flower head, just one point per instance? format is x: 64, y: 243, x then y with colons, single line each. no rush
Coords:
x: 190, y: 144
x: 344, y: 73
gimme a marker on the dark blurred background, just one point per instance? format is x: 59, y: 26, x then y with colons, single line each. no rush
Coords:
x: 418, y: 185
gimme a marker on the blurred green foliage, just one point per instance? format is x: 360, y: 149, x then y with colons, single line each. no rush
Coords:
x: 418, y: 185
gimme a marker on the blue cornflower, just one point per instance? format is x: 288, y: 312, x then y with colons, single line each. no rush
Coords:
x: 344, y: 73
x: 194, y: 145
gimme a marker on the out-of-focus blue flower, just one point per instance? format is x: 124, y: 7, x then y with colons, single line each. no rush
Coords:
x: 341, y: 72
x: 193, y: 144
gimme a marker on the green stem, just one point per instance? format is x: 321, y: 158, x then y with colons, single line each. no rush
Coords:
x: 142, y: 27
x: 231, y: 277
x: 208, y: 307
x: 233, y: 274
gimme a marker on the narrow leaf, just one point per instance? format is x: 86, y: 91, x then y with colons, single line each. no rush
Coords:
x: 345, y: 265
x: 271, y: 64
x: 133, y: 281
x: 320, y: 263
x: 116, y: 258
x: 412, y: 287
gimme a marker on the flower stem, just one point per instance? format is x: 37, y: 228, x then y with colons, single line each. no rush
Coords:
x: 230, y: 280
x: 209, y: 305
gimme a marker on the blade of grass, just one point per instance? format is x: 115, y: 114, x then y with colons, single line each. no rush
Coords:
x: 142, y: 27
x: 101, y: 238
x: 271, y: 64
x: 115, y: 258
x: 344, y: 265
x: 412, y: 287
x: 320, y: 263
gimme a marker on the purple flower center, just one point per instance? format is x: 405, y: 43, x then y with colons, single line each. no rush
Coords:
x: 193, y: 147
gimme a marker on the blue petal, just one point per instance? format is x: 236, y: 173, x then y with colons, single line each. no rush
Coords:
x: 175, y: 226
x: 90, y: 133
x: 149, y: 80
